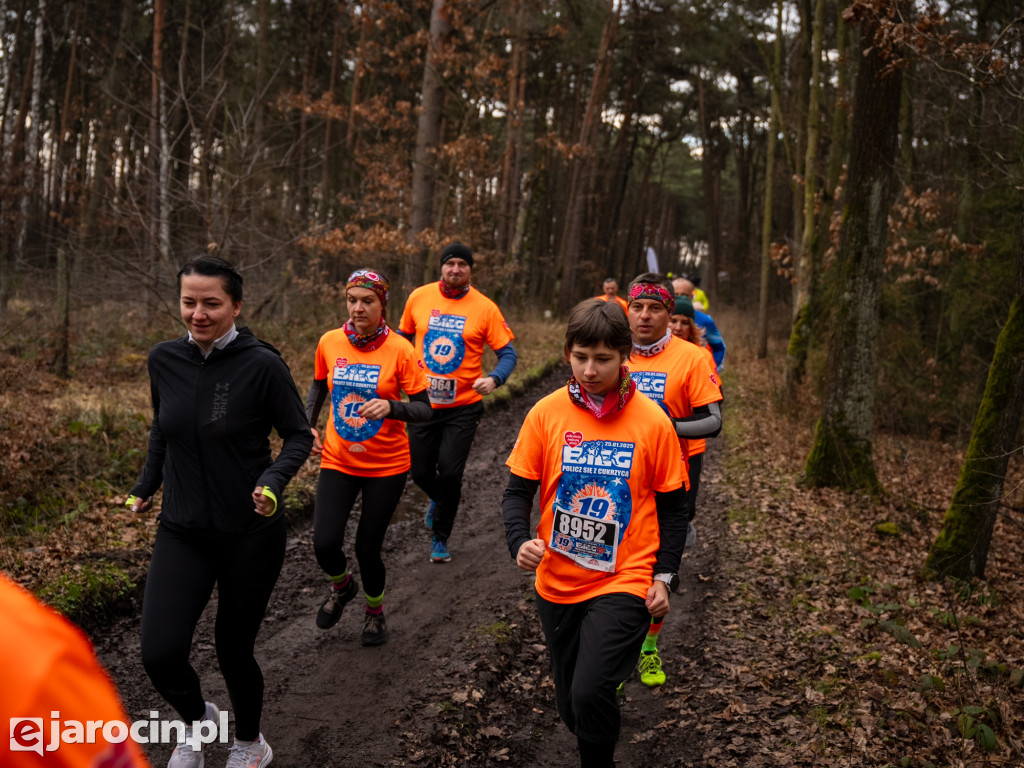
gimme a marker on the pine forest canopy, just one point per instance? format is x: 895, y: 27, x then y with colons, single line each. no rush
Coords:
x: 560, y: 138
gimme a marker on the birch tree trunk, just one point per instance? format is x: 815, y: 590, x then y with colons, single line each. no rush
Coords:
x: 962, y: 546
x: 841, y: 454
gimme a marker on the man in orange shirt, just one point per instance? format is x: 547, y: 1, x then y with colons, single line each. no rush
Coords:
x: 610, y: 288
x: 449, y: 322
x: 47, y: 666
x: 677, y: 376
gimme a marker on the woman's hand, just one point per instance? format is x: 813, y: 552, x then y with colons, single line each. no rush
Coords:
x: 375, y: 410
x: 265, y: 505
x: 657, y: 599
x: 141, y: 506
x: 530, y: 554
x: 318, y: 447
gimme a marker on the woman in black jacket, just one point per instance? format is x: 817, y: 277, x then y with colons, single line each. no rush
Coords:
x: 217, y: 393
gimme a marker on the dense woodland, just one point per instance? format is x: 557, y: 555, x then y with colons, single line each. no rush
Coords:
x: 854, y: 168
x: 845, y: 177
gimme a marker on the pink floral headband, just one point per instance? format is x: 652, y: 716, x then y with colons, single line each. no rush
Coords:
x: 652, y: 291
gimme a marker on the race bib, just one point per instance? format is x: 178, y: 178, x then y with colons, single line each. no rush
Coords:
x: 352, y: 386
x: 441, y: 391
x: 588, y: 542
x: 593, y: 504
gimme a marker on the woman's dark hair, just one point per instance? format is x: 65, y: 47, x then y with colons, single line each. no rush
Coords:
x: 594, y: 322
x: 214, y: 266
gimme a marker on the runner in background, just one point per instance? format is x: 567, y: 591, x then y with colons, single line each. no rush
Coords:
x: 699, y: 297
x: 612, y: 525
x: 685, y: 327
x: 47, y: 665
x: 365, y: 368
x: 217, y: 394
x: 610, y: 292
x: 450, y: 322
x: 679, y: 377
x: 684, y: 287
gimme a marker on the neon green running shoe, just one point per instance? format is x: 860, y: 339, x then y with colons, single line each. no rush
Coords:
x: 650, y: 669
x: 620, y: 693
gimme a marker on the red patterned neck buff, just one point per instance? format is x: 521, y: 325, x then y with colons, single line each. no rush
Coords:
x: 453, y: 293
x: 370, y: 341
x: 614, y: 400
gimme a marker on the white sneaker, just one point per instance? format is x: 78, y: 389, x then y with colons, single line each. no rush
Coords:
x: 250, y: 754
x: 184, y: 755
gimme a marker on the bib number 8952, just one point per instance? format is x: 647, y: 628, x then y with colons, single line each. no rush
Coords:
x: 582, y: 528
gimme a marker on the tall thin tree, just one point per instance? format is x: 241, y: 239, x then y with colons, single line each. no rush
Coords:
x: 842, y: 451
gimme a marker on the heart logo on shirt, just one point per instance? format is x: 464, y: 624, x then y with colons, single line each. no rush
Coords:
x: 341, y: 362
x: 572, y: 439
x: 435, y: 313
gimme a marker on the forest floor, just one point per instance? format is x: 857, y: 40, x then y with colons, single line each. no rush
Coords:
x: 803, y: 634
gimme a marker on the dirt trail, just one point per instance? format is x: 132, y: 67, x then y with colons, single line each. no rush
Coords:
x: 463, y: 677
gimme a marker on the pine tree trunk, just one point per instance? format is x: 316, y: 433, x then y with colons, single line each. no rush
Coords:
x: 841, y: 455
x: 962, y: 546
x: 61, y: 352
x: 800, y: 334
x: 769, y: 187
x: 154, y: 194
x: 801, y: 94
x: 568, y: 252
x: 32, y: 158
x: 428, y: 138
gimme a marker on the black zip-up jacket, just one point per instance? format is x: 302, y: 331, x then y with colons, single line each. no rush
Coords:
x: 209, y: 444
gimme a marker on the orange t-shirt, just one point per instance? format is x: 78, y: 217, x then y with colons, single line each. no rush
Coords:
x: 618, y: 300
x: 354, y: 445
x: 47, y: 665
x: 681, y: 378
x: 450, y: 336
x: 597, y: 479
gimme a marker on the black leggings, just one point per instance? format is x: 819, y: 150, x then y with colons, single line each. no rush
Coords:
x: 594, y: 646
x: 335, y: 494
x: 182, y: 573
x: 696, y: 462
x: 439, y: 449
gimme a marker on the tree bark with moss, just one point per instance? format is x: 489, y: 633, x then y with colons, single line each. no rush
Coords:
x: 961, y: 548
x: 841, y: 455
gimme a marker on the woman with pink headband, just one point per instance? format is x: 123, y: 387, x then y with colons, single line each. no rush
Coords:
x: 365, y: 368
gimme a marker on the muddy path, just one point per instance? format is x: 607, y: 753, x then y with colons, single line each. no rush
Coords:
x: 463, y: 678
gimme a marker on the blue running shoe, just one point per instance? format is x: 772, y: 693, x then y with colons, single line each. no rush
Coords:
x: 439, y: 552
x: 428, y: 519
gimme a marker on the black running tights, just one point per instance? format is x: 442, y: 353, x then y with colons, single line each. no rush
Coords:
x: 335, y: 495
x: 182, y: 573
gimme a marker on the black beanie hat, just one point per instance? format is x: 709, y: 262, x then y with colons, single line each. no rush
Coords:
x: 684, y: 307
x: 457, y: 251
